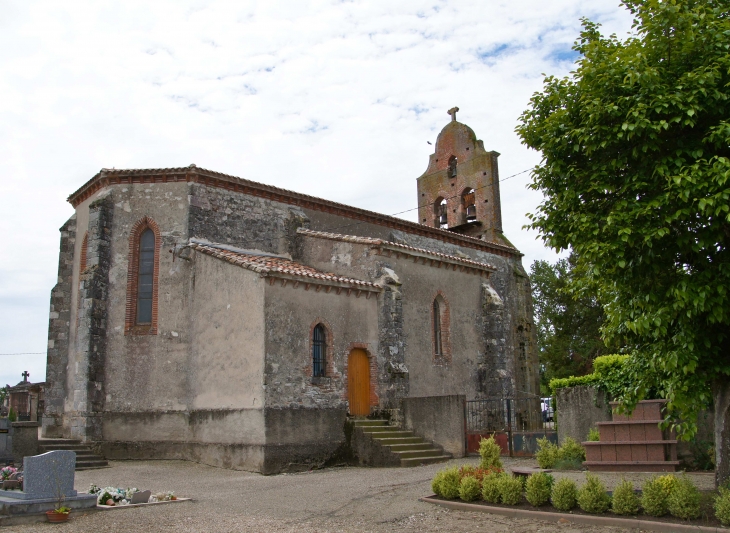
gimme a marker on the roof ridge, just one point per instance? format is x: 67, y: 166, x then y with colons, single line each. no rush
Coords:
x: 382, y: 242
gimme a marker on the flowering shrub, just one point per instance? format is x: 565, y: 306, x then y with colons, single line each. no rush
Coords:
x: 478, y: 473
x: 6, y: 472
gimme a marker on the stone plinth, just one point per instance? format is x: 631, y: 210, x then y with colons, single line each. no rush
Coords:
x: 633, y: 443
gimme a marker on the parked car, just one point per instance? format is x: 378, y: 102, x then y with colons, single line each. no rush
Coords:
x: 547, y: 409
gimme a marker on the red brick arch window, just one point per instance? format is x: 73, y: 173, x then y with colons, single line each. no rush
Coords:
x: 84, y: 248
x: 143, y: 273
x: 441, y: 329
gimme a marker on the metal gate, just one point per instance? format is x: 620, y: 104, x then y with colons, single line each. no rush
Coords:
x: 515, y: 423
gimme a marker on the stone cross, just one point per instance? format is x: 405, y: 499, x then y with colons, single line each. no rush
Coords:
x: 452, y: 112
x: 25, y: 375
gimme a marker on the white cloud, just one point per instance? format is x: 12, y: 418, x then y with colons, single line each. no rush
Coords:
x: 334, y: 99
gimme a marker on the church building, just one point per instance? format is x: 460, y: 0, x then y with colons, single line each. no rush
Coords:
x: 206, y: 317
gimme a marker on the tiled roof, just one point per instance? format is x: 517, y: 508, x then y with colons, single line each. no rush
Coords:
x: 404, y: 248
x: 195, y: 174
x: 274, y: 265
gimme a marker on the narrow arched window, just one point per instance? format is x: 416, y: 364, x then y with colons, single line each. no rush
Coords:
x: 437, y: 343
x: 319, y: 351
x: 452, y: 166
x: 145, y: 279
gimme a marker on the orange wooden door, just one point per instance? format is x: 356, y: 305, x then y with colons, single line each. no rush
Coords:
x: 358, y: 383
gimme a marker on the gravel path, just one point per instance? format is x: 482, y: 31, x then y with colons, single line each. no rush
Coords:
x: 326, y: 501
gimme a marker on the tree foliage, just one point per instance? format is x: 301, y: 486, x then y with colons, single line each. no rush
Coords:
x: 568, y: 323
x: 636, y: 181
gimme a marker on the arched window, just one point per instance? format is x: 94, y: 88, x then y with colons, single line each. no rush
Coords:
x: 440, y: 210
x: 142, y: 276
x: 438, y: 345
x: 145, y: 280
x: 452, y: 167
x: 468, y: 200
x: 319, y: 351
x: 440, y: 325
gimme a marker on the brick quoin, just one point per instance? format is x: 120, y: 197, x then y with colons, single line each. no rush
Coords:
x: 130, y: 325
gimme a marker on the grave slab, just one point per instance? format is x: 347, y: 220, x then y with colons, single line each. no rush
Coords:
x: 49, y: 475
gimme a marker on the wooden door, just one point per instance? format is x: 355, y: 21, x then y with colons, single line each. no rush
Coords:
x: 358, y: 383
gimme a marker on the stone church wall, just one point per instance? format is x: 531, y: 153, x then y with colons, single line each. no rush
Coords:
x: 305, y: 415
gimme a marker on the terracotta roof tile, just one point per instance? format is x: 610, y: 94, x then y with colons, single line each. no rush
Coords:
x: 272, y: 265
x: 397, y: 246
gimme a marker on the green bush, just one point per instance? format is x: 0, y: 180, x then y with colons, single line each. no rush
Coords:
x: 510, y: 490
x: 571, y: 451
x: 490, y: 453
x: 625, y: 500
x: 654, y: 497
x: 469, y: 489
x: 572, y: 464
x: 572, y: 381
x: 592, y: 497
x: 594, y: 435
x: 12, y: 415
x: 446, y: 483
x: 490, y: 488
x: 722, y: 507
x: 684, y: 501
x: 564, y: 494
x: 537, y: 488
x: 547, y: 454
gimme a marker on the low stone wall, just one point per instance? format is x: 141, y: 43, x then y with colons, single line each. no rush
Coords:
x: 578, y: 410
x: 25, y: 439
x: 439, y: 419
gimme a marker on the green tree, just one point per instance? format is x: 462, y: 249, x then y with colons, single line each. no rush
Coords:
x: 568, y: 323
x: 636, y: 180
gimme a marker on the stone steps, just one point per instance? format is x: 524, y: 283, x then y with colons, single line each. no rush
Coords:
x: 406, y: 448
x: 86, y: 459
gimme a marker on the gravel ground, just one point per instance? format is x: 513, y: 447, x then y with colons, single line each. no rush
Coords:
x: 325, y: 501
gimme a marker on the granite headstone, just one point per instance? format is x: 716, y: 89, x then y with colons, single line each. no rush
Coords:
x: 6, y: 441
x: 50, y: 475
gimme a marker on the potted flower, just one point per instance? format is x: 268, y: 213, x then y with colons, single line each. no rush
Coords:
x: 60, y: 514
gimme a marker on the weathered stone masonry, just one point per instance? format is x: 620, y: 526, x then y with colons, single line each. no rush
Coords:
x: 59, y: 324
x: 91, y: 341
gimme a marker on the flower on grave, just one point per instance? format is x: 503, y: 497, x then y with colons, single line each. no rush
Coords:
x: 124, y: 502
x: 93, y: 489
x: 6, y: 472
x: 129, y: 492
x: 170, y: 496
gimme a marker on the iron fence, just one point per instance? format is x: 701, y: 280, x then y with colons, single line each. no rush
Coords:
x: 504, y: 414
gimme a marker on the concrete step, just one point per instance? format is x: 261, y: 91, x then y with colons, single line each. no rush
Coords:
x: 390, y: 434
x: 97, y: 462
x: 409, y: 447
x: 365, y: 422
x: 418, y: 461
x: 376, y: 429
x: 400, y: 440
x: 71, y: 447
x: 433, y: 452
x: 58, y: 441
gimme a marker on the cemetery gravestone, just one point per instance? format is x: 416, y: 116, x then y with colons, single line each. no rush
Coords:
x: 47, y: 476
x: 6, y: 442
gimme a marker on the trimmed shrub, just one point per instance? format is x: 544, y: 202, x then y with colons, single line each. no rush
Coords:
x: 571, y: 464
x: 490, y: 453
x: 684, y: 501
x: 537, y: 488
x: 490, y: 488
x: 449, y: 483
x: 510, y: 490
x: 668, y: 482
x: 571, y: 451
x: 594, y: 435
x: 592, y: 497
x: 654, y: 497
x: 722, y: 507
x: 625, y: 501
x: 564, y: 494
x: 469, y: 489
x: 547, y: 454
x: 436, y: 483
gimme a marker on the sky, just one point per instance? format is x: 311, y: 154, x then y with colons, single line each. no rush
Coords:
x: 337, y: 99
